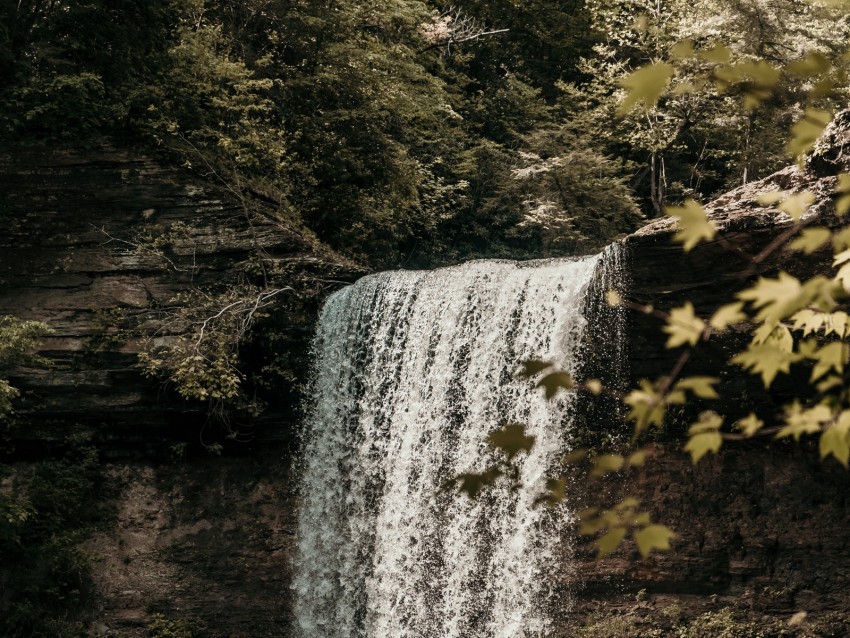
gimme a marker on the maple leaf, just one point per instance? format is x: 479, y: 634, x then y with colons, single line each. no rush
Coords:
x: 645, y: 85
x: 693, y: 224
x: 683, y: 326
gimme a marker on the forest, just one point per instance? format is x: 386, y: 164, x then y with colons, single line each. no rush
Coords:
x: 410, y: 133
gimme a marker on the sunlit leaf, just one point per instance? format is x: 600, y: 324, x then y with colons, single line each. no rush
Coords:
x: 607, y: 463
x: 765, y: 359
x: 774, y: 298
x: 807, y: 130
x: 610, y: 541
x: 594, y: 385
x: 771, y: 198
x: 835, y: 441
x: 797, y: 204
x: 645, y: 85
x: 842, y: 204
x: 727, y: 315
x: 700, y: 386
x: 798, y: 618
x: 810, y: 240
x: 701, y: 444
x: 693, y: 224
x: 832, y: 356
x: 718, y: 54
x: 800, y: 421
x: 841, y: 239
x: 814, y: 63
x: 636, y: 459
x: 683, y: 326
x: 555, y: 381
x: 750, y: 425
x: 647, y: 408
x: 511, y: 439
x: 532, y: 367
x: 709, y: 421
x: 828, y: 383
x: 653, y: 537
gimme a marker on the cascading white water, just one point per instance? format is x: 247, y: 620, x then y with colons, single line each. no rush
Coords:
x: 412, y: 371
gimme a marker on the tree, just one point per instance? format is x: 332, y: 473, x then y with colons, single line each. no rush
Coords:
x: 792, y: 323
x: 698, y: 143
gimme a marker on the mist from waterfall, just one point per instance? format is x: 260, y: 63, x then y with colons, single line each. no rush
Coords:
x: 413, y: 369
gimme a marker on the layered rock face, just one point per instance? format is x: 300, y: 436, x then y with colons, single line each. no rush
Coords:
x: 96, y: 240
x: 763, y: 528
x: 92, y: 241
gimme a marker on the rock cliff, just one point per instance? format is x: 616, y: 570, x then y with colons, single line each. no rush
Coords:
x: 95, y: 243
x: 763, y: 528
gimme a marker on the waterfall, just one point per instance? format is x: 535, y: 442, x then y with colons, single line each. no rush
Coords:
x: 412, y: 371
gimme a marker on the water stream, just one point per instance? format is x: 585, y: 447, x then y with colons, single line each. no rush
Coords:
x: 412, y: 370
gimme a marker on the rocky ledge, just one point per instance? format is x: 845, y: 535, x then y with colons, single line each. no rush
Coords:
x: 95, y: 240
x: 763, y: 528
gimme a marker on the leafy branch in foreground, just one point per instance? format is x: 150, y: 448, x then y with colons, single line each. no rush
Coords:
x: 18, y: 338
x: 794, y: 325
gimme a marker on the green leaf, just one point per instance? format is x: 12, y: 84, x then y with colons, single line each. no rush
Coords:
x: 594, y: 385
x: 693, y: 224
x: 842, y: 205
x: 682, y: 50
x: 701, y: 444
x: 749, y: 425
x: 636, y: 459
x: 727, y: 315
x: 832, y: 356
x: 700, y: 386
x: 511, y: 439
x: 718, y: 54
x: 646, y: 405
x: 774, y: 298
x: 555, y: 381
x: 532, y: 367
x: 556, y: 490
x: 645, y: 85
x: 472, y: 483
x: 799, y: 421
x: 766, y: 359
x: 610, y: 541
x: 683, y: 326
x: 814, y: 63
x: 835, y: 441
x: 810, y: 240
x: 709, y: 421
x: 607, y: 463
x: 797, y: 204
x: 574, y: 456
x: 807, y: 130
x: 653, y: 537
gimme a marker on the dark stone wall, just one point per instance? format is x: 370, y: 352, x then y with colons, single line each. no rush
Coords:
x: 762, y: 528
